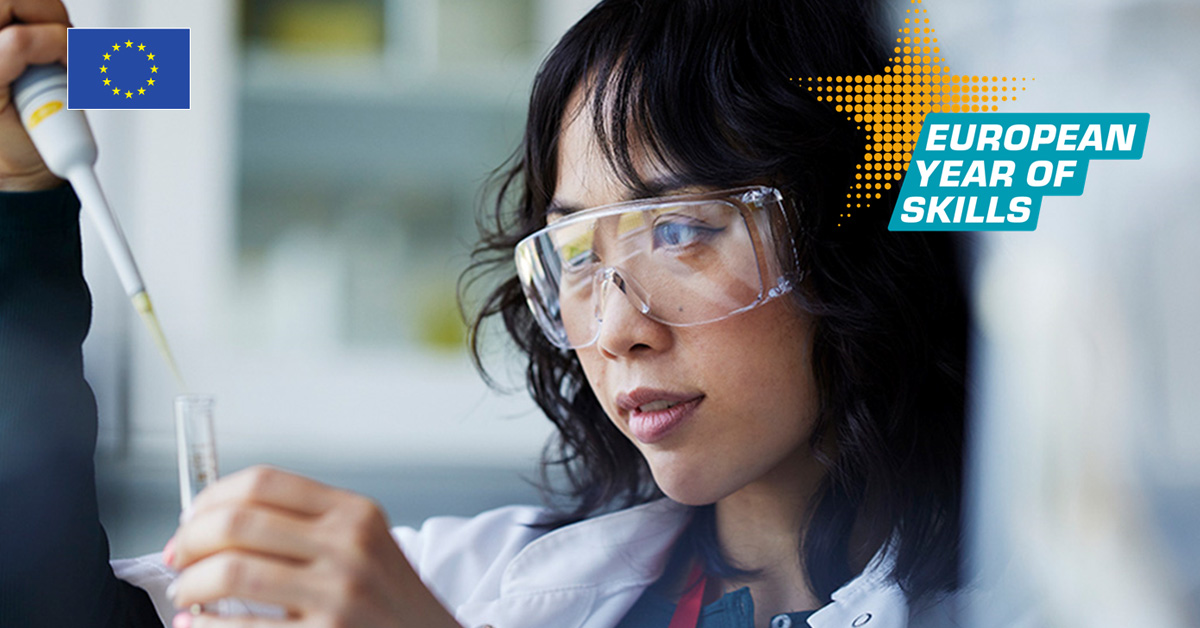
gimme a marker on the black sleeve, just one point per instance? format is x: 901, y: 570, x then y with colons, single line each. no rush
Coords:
x: 54, y: 568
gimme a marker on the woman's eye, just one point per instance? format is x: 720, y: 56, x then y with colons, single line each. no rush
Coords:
x: 678, y: 234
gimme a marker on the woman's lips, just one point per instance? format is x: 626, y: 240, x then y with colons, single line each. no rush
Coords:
x: 655, y: 425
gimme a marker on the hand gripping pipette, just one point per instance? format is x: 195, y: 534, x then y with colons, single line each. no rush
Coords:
x: 64, y: 140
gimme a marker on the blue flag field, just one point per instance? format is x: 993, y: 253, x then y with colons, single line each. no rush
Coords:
x: 129, y: 68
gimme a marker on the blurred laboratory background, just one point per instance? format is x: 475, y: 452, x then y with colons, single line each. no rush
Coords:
x: 302, y: 227
x: 1085, y: 468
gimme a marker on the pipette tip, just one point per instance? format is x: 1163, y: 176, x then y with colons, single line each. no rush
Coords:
x: 141, y: 303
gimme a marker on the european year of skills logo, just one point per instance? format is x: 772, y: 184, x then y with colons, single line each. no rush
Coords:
x: 128, y: 68
x: 971, y: 168
x: 990, y: 171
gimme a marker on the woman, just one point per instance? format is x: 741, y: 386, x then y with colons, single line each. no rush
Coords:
x: 699, y: 326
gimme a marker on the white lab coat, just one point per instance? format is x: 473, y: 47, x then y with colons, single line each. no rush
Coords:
x: 495, y: 570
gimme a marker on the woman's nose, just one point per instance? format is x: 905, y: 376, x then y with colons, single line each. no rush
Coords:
x: 625, y: 327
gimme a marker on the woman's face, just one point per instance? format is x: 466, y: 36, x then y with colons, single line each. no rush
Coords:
x: 743, y: 386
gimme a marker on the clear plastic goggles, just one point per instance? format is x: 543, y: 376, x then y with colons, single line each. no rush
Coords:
x: 679, y: 260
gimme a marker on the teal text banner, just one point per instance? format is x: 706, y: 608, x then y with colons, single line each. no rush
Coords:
x: 990, y: 171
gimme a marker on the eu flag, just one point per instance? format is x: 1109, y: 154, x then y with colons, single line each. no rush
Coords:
x: 129, y: 68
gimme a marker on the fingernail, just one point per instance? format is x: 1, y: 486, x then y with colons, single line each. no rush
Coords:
x: 168, y: 553
x: 171, y: 589
x: 182, y: 620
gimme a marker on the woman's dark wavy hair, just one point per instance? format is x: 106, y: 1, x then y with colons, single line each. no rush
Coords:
x: 706, y: 86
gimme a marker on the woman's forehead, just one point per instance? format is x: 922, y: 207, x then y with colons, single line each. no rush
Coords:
x: 586, y: 177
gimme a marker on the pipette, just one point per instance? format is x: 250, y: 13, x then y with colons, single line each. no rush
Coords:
x: 64, y: 140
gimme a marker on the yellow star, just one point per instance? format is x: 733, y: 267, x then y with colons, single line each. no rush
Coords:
x: 129, y: 94
x: 116, y: 90
x: 116, y: 46
x: 129, y: 44
x: 154, y: 69
x: 141, y: 91
x: 106, y: 81
x: 103, y: 69
x: 892, y: 106
x: 150, y: 81
x: 150, y: 57
x: 106, y: 56
x: 141, y: 46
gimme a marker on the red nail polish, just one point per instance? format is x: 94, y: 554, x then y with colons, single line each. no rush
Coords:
x: 168, y: 553
x: 182, y: 620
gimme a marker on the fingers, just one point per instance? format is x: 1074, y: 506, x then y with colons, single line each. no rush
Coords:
x: 275, y: 513
x: 26, y: 44
x: 269, y: 536
x: 32, y: 11
x: 303, y: 591
x: 269, y: 487
x: 259, y: 529
x: 243, y: 575
x: 31, y: 31
x: 187, y: 620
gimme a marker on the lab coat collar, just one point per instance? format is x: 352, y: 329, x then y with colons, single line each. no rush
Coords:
x: 871, y: 599
x: 632, y: 544
x: 629, y: 549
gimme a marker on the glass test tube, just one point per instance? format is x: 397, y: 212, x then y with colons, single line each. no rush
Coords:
x: 197, y: 445
x: 197, y: 460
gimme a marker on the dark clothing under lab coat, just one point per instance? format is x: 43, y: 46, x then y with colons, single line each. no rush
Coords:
x: 54, y: 568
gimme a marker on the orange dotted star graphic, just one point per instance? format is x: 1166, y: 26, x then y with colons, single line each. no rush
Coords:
x: 891, y: 107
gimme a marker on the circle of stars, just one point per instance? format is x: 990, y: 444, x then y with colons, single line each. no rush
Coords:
x: 141, y: 91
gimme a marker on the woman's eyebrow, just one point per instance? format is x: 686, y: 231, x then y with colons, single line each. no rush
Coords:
x: 653, y: 187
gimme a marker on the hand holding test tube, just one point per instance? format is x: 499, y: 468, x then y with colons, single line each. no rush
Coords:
x: 197, y: 447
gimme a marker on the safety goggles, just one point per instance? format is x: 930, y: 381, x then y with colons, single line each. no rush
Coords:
x: 679, y: 260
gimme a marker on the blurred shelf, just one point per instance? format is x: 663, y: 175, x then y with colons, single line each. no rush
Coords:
x: 361, y: 151
x: 271, y: 76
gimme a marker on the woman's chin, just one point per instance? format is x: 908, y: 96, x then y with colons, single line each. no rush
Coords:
x: 689, y: 487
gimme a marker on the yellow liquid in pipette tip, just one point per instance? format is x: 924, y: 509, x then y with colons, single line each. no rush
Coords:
x: 141, y: 302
